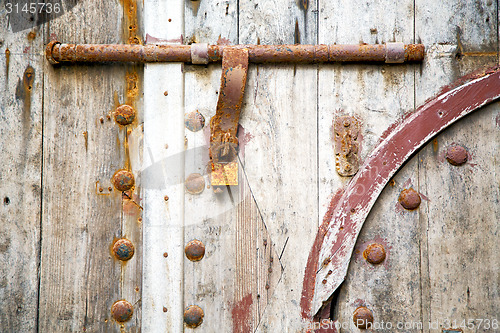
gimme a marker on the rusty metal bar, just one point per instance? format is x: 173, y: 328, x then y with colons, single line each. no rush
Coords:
x: 204, y: 53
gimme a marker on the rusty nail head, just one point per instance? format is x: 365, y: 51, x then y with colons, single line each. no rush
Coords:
x: 165, y: 254
x: 195, y: 183
x: 124, y: 115
x: 165, y: 309
x: 363, y: 317
x: 193, y: 316
x: 409, y: 199
x: 267, y: 286
x: 195, y: 250
x: 456, y: 155
x: 324, y: 281
x: 374, y: 253
x: 194, y: 121
x: 123, y: 249
x: 123, y: 180
x: 122, y: 311
x: 166, y: 198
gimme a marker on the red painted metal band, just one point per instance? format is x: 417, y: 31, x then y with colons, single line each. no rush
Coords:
x: 397, y: 145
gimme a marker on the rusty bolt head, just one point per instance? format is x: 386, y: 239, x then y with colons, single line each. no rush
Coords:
x: 456, y: 155
x: 122, y: 311
x: 193, y: 316
x: 363, y: 318
x: 194, y: 121
x: 123, y: 249
x: 124, y: 115
x: 374, y: 253
x: 409, y: 199
x: 195, y: 250
x: 195, y: 183
x: 123, y: 180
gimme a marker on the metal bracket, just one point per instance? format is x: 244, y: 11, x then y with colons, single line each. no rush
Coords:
x: 346, y: 131
x: 224, y: 125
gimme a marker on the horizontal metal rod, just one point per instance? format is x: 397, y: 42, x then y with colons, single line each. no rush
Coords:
x: 204, y: 53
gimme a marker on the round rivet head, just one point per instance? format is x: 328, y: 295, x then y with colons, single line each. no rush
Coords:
x: 363, y: 318
x: 122, y: 311
x: 409, y: 199
x: 193, y: 316
x: 124, y: 115
x: 195, y: 183
x: 123, y: 249
x: 456, y: 155
x: 374, y: 253
x: 194, y: 121
x: 123, y: 180
x: 195, y: 250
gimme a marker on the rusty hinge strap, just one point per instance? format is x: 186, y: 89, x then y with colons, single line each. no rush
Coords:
x: 224, y: 125
x: 204, y: 53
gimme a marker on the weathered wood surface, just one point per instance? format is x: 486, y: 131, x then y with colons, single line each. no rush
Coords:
x: 21, y: 95
x: 57, y: 272
x: 80, y: 279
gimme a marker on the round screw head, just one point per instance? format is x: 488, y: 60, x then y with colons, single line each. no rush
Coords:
x: 456, y: 155
x: 193, y: 316
x: 194, y: 121
x: 195, y: 250
x: 409, y: 199
x: 122, y: 311
x: 195, y: 183
x: 124, y: 114
x: 123, y: 180
x: 363, y: 317
x: 374, y: 253
x: 123, y: 249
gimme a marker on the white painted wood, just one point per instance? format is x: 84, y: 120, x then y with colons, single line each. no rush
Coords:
x: 163, y: 176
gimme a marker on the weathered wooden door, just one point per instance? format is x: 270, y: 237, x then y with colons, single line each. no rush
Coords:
x: 60, y: 145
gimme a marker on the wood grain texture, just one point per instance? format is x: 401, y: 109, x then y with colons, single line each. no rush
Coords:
x: 80, y: 279
x: 378, y: 95
x: 234, y: 281
x: 280, y: 113
x: 21, y: 82
x: 458, y: 267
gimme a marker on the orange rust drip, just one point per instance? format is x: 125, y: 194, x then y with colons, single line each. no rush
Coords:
x: 7, y: 63
x: 131, y: 23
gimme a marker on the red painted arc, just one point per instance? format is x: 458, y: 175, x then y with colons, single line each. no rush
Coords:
x: 402, y: 140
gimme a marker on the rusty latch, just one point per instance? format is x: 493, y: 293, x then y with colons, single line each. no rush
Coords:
x: 235, y: 59
x: 224, y: 125
x: 346, y: 131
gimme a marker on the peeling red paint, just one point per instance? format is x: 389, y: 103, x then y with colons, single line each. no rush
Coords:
x: 242, y: 320
x: 155, y: 40
x: 312, y: 260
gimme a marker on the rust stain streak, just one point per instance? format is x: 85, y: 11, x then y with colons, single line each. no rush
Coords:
x: 7, y: 63
x: 86, y: 137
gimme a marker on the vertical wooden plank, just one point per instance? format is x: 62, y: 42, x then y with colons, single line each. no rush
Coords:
x: 457, y: 47
x: 209, y: 218
x: 163, y: 176
x: 280, y: 110
x: 80, y: 279
x: 21, y: 82
x: 131, y: 137
x: 377, y: 95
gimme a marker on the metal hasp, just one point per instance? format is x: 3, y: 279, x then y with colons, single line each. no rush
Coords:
x: 224, y: 125
x: 57, y: 52
x: 332, y: 250
x: 346, y: 145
